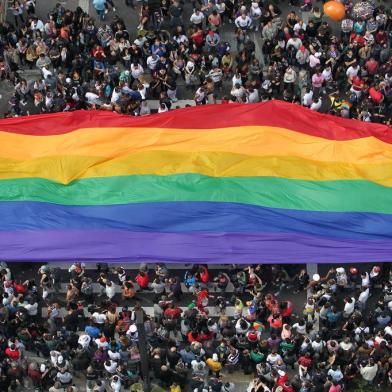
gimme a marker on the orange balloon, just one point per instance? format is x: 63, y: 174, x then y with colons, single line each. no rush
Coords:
x: 334, y: 10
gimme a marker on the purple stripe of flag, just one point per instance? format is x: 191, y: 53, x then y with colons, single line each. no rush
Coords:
x: 121, y: 245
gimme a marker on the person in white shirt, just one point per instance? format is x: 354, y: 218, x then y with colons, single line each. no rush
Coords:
x: 77, y: 267
x: 242, y: 326
x: 64, y: 377
x: 252, y: 95
x: 243, y: 21
x: 365, y: 280
x: 228, y: 387
x: 32, y: 308
x: 197, y: 18
x: 99, y: 318
x: 6, y: 272
x: 349, y: 306
x: 369, y: 371
x: 318, y: 345
x: 46, y: 72
x: 316, y: 105
x: 294, y: 41
x: 110, y: 289
x: 361, y: 331
x: 8, y: 288
x: 198, y: 366
x: 116, y: 94
x: 84, y: 340
x: 301, y: 25
x: 163, y: 108
x: 37, y: 24
x: 54, y: 355
x: 7, y: 299
x: 110, y: 366
x: 114, y: 355
x: 257, y: 385
x: 180, y: 37
x: 115, y: 384
x: 346, y: 345
x: 139, y: 41
x: 307, y: 99
x: 388, y: 330
x: 327, y: 74
x: 152, y: 62
x: 300, y: 327
x: 273, y: 358
x: 144, y: 109
x: 363, y: 297
x: 136, y: 70
x: 91, y: 97
x: 352, y: 71
x: 314, y: 60
x: 255, y: 13
x: 238, y: 92
x: 132, y: 333
x: 200, y: 96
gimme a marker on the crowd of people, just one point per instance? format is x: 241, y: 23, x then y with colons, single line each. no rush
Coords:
x: 335, y: 340
x: 95, y: 62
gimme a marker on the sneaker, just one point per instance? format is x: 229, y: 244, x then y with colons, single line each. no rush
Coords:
x: 114, y: 10
x: 106, y: 11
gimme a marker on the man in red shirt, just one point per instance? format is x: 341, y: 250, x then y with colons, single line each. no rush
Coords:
x: 305, y: 361
x: 173, y: 312
x: 335, y: 387
x: 381, y: 37
x: 275, y: 322
x: 12, y: 352
x: 142, y: 280
x: 198, y: 37
x: 287, y: 387
x: 372, y: 66
x: 203, y: 275
x: 357, y: 86
x: 286, y: 309
x: 283, y: 377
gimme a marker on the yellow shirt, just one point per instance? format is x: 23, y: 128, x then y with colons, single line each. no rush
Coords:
x: 176, y: 388
x: 215, y: 366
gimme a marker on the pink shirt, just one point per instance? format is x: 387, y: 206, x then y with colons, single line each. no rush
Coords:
x: 317, y: 80
x: 334, y: 388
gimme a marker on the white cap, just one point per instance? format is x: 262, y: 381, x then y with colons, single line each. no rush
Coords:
x: 340, y: 270
x: 42, y: 368
x: 132, y: 328
x: 316, y: 277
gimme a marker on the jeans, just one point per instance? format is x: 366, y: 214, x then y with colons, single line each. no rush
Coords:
x: 101, y: 14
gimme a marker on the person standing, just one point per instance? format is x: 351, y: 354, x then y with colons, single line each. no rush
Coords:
x: 100, y: 6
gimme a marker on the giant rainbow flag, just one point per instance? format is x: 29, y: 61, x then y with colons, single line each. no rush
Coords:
x: 269, y: 182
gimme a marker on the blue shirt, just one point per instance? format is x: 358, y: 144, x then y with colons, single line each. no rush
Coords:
x: 92, y: 331
x: 99, y: 4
